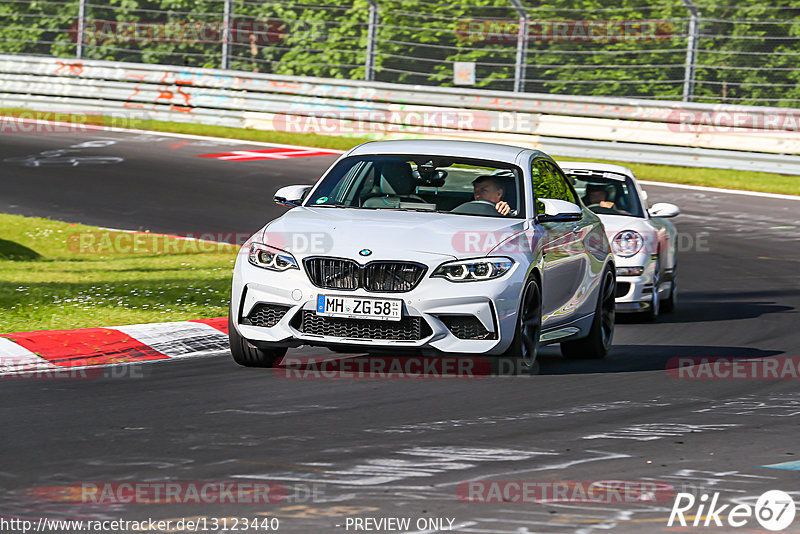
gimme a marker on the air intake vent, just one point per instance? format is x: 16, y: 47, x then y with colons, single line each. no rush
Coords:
x: 406, y: 329
x: 265, y: 315
x: 466, y: 327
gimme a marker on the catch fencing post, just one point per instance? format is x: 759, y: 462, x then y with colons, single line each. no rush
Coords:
x: 691, y: 51
x: 522, y: 47
x: 81, y: 28
x: 226, y: 33
x: 372, y: 27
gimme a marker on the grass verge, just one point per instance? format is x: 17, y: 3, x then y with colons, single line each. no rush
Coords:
x: 56, y: 275
x: 723, y: 178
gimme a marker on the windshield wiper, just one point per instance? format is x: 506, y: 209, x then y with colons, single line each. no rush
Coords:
x: 413, y: 209
x: 329, y: 206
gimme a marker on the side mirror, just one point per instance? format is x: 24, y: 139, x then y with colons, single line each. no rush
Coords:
x: 291, y: 196
x: 559, y: 211
x: 664, y: 210
x: 644, y: 195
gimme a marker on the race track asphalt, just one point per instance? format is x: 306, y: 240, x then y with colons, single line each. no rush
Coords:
x: 402, y: 448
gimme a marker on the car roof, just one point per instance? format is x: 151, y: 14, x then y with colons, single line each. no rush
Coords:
x: 442, y: 147
x: 592, y: 166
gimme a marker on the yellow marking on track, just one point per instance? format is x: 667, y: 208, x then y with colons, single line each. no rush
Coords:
x: 689, y: 520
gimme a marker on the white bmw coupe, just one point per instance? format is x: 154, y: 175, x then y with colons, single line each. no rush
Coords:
x: 441, y: 247
x: 643, y: 240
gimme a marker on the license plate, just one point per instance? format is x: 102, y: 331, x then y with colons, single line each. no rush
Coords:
x: 360, y: 308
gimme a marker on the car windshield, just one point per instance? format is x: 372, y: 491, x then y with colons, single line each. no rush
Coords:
x: 423, y: 183
x: 606, y: 193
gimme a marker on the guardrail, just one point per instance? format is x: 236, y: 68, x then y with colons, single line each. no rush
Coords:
x: 677, y: 133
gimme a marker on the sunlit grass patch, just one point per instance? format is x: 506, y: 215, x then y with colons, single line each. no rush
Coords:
x: 48, y: 281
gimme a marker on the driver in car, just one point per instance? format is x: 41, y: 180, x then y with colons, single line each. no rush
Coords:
x: 490, y: 189
x: 597, y: 195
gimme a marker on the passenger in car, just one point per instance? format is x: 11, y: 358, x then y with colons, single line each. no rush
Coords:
x: 490, y: 189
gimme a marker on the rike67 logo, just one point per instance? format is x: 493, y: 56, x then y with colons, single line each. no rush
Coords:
x: 774, y: 510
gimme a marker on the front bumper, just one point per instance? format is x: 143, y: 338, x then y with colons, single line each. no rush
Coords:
x: 635, y: 293
x: 436, y: 313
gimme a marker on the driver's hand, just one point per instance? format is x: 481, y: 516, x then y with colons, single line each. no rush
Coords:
x: 502, y: 208
x: 607, y: 204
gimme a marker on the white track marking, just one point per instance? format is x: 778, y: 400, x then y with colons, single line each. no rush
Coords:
x: 179, y: 339
x: 720, y: 190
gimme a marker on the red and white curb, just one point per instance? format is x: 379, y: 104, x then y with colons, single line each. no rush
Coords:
x: 51, y: 350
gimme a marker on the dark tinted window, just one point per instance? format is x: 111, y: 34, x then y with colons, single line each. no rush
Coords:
x: 549, y: 182
x: 422, y: 183
x: 607, y: 193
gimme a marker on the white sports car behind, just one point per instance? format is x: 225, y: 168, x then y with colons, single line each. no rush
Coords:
x: 642, y: 239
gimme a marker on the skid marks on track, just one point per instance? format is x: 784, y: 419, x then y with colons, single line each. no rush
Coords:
x: 415, y: 462
x: 448, y: 424
x: 771, y: 405
x: 654, y: 431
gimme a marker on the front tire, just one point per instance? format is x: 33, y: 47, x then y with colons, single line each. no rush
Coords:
x: 248, y: 355
x: 651, y: 314
x: 668, y: 306
x: 597, y: 344
x: 520, y: 357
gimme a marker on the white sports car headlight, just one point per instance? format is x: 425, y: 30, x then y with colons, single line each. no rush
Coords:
x: 627, y: 243
x: 473, y: 270
x: 271, y: 258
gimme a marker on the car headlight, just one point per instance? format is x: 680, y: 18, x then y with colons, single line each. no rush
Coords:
x: 627, y: 243
x: 271, y: 258
x: 473, y: 270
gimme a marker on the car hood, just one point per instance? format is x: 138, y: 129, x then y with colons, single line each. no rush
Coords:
x: 616, y: 223
x: 388, y: 234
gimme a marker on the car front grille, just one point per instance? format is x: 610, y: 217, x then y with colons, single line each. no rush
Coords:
x: 333, y: 273
x: 379, y: 276
x: 466, y: 327
x: 265, y: 315
x: 392, y: 276
x: 406, y: 329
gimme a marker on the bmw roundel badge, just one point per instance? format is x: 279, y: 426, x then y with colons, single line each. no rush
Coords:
x: 365, y: 252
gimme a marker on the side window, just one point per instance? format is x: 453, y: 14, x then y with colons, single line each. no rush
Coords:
x: 539, y: 189
x: 566, y: 192
x: 549, y: 182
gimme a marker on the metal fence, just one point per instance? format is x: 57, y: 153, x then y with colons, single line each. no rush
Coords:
x: 691, y: 50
